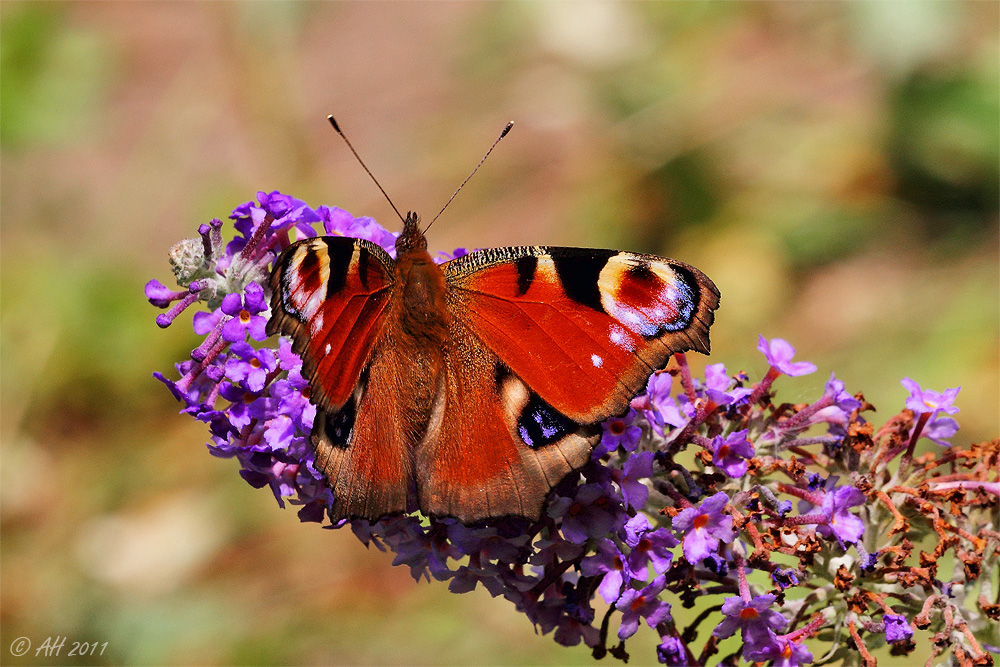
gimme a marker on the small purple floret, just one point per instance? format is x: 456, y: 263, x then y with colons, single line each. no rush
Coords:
x: 922, y: 401
x: 843, y: 524
x: 784, y: 652
x: 610, y: 562
x: 730, y: 454
x: 619, y: 432
x: 779, y: 355
x: 671, y: 652
x: 638, y: 466
x: 753, y: 617
x: 244, y: 311
x: 896, y: 628
x: 648, y: 545
x: 642, y: 604
x: 702, y: 528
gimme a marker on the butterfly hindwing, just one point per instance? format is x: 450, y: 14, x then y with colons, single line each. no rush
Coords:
x: 584, y: 329
x: 361, y: 448
x: 329, y: 295
x: 492, y: 447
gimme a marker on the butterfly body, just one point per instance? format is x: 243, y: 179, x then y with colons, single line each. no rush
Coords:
x: 471, y: 388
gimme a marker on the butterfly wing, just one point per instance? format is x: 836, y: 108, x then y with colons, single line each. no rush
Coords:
x: 331, y: 296
x: 583, y: 328
x: 362, y: 448
x: 491, y: 448
x: 544, y: 344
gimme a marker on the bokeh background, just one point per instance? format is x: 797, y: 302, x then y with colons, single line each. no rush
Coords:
x: 832, y: 166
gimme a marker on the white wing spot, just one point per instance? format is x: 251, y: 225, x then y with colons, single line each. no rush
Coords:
x: 621, y: 339
x: 598, y: 362
x: 327, y: 349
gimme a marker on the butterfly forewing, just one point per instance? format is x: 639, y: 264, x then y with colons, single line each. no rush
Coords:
x: 583, y: 328
x: 329, y: 295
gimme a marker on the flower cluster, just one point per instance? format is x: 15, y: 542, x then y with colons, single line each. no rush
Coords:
x: 780, y: 522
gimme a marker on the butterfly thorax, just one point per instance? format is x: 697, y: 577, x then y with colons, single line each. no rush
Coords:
x: 423, y: 313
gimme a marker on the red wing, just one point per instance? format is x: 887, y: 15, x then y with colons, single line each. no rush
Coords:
x: 362, y: 449
x: 583, y: 328
x: 492, y: 448
x: 329, y: 294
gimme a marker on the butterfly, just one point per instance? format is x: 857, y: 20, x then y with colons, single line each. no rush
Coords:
x: 475, y: 386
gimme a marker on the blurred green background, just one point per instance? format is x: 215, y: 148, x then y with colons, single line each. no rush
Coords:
x: 832, y: 166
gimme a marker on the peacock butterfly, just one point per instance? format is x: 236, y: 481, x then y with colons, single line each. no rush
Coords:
x: 477, y: 385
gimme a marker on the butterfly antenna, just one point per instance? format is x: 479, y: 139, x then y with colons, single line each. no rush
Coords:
x: 502, y: 135
x: 333, y: 121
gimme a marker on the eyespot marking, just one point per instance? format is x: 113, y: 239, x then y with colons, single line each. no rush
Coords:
x: 339, y: 426
x: 540, y: 424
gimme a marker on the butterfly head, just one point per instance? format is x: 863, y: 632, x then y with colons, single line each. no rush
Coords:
x: 412, y: 238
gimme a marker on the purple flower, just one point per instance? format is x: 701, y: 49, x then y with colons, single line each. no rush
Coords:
x: 441, y: 257
x: 619, y: 431
x: 730, y: 454
x: 638, y: 604
x: 834, y: 408
x: 677, y: 413
x: 279, y: 205
x: 835, y: 390
x: 658, y: 389
x: 340, y: 222
x: 648, y: 545
x: 244, y: 311
x: 289, y: 211
x: 940, y: 429
x: 292, y: 397
x: 784, y: 652
x: 779, y: 355
x: 702, y: 528
x: 717, y: 383
x: 285, y: 213
x: 280, y: 433
x: 672, y: 652
x: 160, y: 295
x: 336, y: 221
x: 250, y: 365
x: 922, y: 401
x: 610, y: 562
x: 637, y: 467
x: 844, y: 525
x: 649, y: 402
x: 896, y: 628
x: 593, y: 512
x: 409, y: 540
x: 754, y: 618
x: 204, y: 322
x: 571, y: 631
x: 246, y: 405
